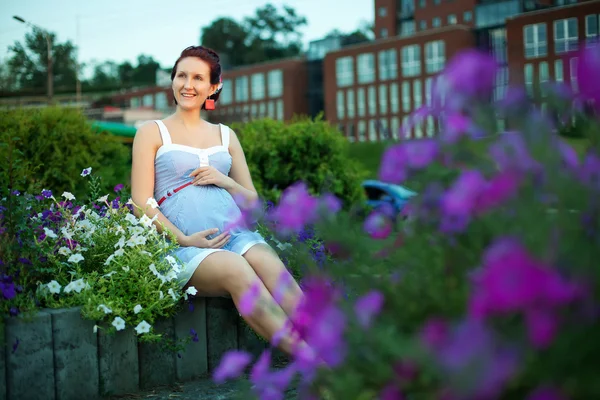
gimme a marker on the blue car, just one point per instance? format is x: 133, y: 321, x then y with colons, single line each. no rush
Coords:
x: 381, y: 195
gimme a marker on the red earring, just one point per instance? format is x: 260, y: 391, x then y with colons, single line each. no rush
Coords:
x: 209, y: 104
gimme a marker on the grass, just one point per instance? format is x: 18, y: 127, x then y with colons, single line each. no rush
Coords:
x: 369, y: 153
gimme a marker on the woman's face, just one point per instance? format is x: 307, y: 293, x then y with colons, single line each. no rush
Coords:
x: 191, y: 84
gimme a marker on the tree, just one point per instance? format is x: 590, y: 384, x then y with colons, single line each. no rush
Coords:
x: 145, y: 72
x: 268, y: 35
x: 106, y: 75
x: 28, y: 64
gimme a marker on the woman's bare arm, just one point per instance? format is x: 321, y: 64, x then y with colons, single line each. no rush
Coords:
x: 241, y: 181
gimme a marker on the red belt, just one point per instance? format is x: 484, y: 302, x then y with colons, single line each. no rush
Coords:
x: 171, y: 193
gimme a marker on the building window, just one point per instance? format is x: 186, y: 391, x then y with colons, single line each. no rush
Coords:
x: 384, y: 132
x: 350, y: 103
x: 535, y: 40
x: 406, y: 100
x: 147, y: 100
x: 340, y: 105
x: 254, y: 110
x: 592, y: 28
x: 382, y: 11
x: 383, y: 100
x: 226, y: 96
x: 501, y: 83
x: 417, y: 93
x: 280, y: 110
x: 262, y: 110
x: 395, y: 128
x: 258, y: 86
x: 422, y: 3
x: 362, y: 131
x: 271, y: 109
x: 559, y: 74
x: 435, y: 57
x: 573, y: 73
x: 498, y: 43
x: 428, y: 90
x: 160, y: 101
x: 365, y: 68
x: 411, y: 60
x: 383, y: 33
x: 407, y: 28
x: 437, y: 2
x: 241, y: 89
x: 422, y: 25
x: 275, y: 81
x: 388, y: 66
x: 373, y: 130
x: 565, y: 35
x: 496, y: 13
x: 529, y: 78
x: 361, y: 103
x: 468, y: 16
x: 451, y: 19
x: 344, y: 71
x: 372, y: 101
x: 406, y: 127
x: 544, y: 72
x: 436, y: 22
x: 429, y: 129
x: 394, y: 104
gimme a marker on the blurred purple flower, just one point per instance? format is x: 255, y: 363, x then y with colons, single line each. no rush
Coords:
x: 8, y: 289
x: 194, y: 335
x: 232, y: 365
x: 330, y: 203
x: 47, y: 193
x: 249, y: 299
x: 510, y: 151
x: 434, y: 333
x: 546, y: 393
x: 378, y: 225
x: 569, y: 156
x: 367, y: 307
x: 391, y: 392
x: 502, y: 187
x: 393, y: 167
x: 471, y: 73
x: 542, y: 326
x: 589, y: 172
x: 15, y: 193
x: 268, y: 384
x: 455, y: 126
x: 420, y: 153
x: 296, y: 209
x: 118, y: 188
x: 588, y: 66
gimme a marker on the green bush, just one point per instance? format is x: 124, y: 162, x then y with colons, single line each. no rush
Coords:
x: 312, y: 151
x: 58, y: 144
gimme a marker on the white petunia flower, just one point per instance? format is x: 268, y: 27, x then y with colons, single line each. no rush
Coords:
x: 119, y: 323
x: 161, y: 295
x: 126, y: 269
x: 66, y: 233
x: 119, y: 253
x: 50, y: 233
x: 53, y: 287
x: 137, y: 309
x: 172, y: 294
x: 64, y: 251
x: 132, y: 219
x: 145, y: 221
x: 121, y: 241
x: 103, y: 199
x: 109, y: 259
x: 191, y: 291
x: 86, y: 171
x: 111, y: 273
x: 76, y: 286
x: 143, y: 327
x: 152, y: 203
x: 105, y: 309
x: 75, y: 258
x: 68, y: 196
x: 95, y: 328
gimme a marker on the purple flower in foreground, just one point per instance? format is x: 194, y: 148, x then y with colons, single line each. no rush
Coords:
x: 367, y: 307
x: 510, y: 151
x: 232, y: 365
x: 118, y: 188
x: 270, y: 384
x: 378, y: 225
x: 589, y: 172
x: 546, y: 393
x: 47, y: 193
x: 471, y: 73
x: 391, y: 392
x: 249, y: 299
x: 296, y: 209
x: 588, y: 66
x: 455, y: 126
x: 420, y: 153
x: 8, y: 289
x: 393, y: 167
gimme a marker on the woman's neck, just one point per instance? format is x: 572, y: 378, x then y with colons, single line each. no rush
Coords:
x: 189, y: 118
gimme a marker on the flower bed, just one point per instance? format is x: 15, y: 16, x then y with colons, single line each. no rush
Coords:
x: 56, y: 354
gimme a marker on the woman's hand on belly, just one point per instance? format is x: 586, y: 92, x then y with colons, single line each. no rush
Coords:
x: 210, y: 176
x: 201, y: 240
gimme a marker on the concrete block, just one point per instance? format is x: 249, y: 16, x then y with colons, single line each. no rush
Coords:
x: 118, y: 362
x: 30, y: 368
x: 3, y: 362
x: 192, y: 360
x: 75, y: 355
x: 248, y: 340
x: 157, y: 362
x: 221, y: 329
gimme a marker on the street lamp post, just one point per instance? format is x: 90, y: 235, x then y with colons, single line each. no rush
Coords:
x: 50, y: 60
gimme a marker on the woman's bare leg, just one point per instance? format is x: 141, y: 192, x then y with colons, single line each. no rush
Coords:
x: 226, y: 272
x: 269, y: 268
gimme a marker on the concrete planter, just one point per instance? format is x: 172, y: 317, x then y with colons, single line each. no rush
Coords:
x: 58, y: 355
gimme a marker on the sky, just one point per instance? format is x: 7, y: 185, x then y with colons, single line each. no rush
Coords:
x: 120, y: 30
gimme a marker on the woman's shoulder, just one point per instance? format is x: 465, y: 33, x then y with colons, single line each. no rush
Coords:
x: 148, y: 132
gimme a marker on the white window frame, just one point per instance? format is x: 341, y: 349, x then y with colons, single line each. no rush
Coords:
x: 411, y: 60
x: 435, y: 56
x: 567, y: 43
x: 344, y: 71
x: 275, y: 83
x: 365, y: 68
x: 258, y: 86
x: 539, y: 46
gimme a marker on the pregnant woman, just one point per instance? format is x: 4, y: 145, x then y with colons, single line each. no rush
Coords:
x: 194, y: 169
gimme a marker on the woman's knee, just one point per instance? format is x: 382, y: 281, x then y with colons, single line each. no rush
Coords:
x: 238, y: 274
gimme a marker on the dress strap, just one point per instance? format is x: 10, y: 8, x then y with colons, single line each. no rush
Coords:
x: 225, y: 135
x: 164, y: 132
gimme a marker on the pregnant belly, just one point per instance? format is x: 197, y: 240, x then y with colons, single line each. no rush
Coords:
x: 197, y: 208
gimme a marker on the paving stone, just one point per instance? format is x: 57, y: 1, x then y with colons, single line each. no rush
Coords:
x: 193, y: 359
x: 75, y: 355
x: 118, y: 362
x: 157, y: 362
x: 221, y: 329
x: 30, y: 367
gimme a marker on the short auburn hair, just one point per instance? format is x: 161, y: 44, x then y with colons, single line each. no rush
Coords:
x: 207, y: 55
